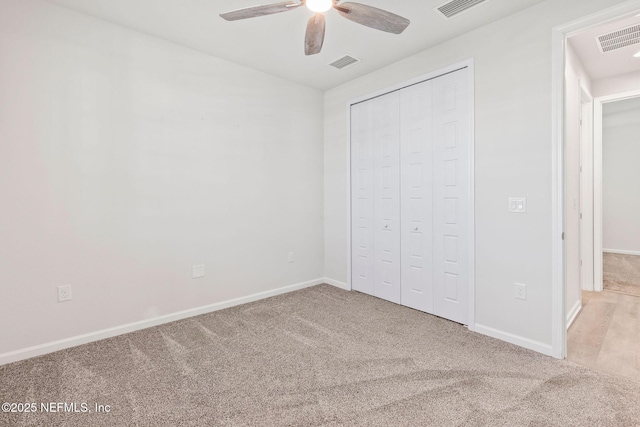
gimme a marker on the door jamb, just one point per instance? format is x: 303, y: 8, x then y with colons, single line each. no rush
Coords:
x: 586, y: 190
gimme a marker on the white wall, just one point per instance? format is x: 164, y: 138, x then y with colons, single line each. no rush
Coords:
x: 576, y: 80
x: 618, y: 84
x: 621, y: 175
x: 125, y: 160
x: 513, y: 158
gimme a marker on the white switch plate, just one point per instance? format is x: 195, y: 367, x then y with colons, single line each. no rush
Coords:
x: 520, y: 291
x: 517, y: 204
x: 197, y: 271
x: 64, y: 293
x: 290, y: 256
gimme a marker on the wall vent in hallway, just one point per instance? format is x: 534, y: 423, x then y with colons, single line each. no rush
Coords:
x: 455, y: 7
x: 619, y: 39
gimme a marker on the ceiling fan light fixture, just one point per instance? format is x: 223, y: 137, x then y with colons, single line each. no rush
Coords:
x: 359, y: 13
x: 319, y: 6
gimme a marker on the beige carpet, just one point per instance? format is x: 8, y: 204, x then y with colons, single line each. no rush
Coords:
x: 622, y: 273
x: 320, y: 356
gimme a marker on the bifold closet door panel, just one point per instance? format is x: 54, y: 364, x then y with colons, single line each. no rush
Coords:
x: 451, y: 195
x: 411, y: 196
x: 386, y: 206
x: 416, y: 196
x: 362, y: 201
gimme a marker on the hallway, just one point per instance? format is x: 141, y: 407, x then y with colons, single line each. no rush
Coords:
x: 606, y: 334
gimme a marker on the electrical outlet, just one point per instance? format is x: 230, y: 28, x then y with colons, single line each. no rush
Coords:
x: 290, y: 256
x: 520, y: 291
x: 197, y: 271
x: 64, y: 293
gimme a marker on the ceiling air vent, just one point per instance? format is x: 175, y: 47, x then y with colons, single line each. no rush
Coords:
x: 344, y: 62
x: 456, y: 7
x: 619, y: 39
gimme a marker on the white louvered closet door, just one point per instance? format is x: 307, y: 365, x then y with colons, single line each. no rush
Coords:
x: 451, y: 195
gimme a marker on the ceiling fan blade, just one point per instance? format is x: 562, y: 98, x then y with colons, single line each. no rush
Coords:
x: 373, y: 17
x: 315, y: 35
x: 255, y: 11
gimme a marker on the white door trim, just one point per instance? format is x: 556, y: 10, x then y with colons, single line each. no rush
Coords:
x: 469, y: 64
x: 559, y: 36
x: 586, y: 190
x: 598, y: 249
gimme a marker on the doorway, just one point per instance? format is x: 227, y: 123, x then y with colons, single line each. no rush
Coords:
x: 618, y: 243
x: 596, y: 321
x: 561, y: 202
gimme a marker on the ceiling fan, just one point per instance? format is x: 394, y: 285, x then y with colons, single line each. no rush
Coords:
x: 362, y: 14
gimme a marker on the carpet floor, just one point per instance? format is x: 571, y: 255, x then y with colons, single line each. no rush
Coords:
x: 319, y: 356
x: 621, y: 273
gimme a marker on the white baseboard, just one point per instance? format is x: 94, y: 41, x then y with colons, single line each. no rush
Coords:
x: 337, y: 284
x: 50, y: 347
x: 516, y: 339
x: 573, y: 313
x: 620, y: 251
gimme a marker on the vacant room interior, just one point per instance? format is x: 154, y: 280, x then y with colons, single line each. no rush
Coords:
x: 336, y: 215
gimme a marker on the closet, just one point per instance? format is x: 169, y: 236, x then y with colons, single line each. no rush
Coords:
x: 411, y: 216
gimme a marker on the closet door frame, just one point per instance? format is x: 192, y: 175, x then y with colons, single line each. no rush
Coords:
x: 469, y: 65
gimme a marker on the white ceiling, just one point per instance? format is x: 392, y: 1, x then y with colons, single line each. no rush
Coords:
x: 275, y: 44
x: 602, y: 65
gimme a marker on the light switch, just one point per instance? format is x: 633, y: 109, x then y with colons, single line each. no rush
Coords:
x: 517, y: 204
